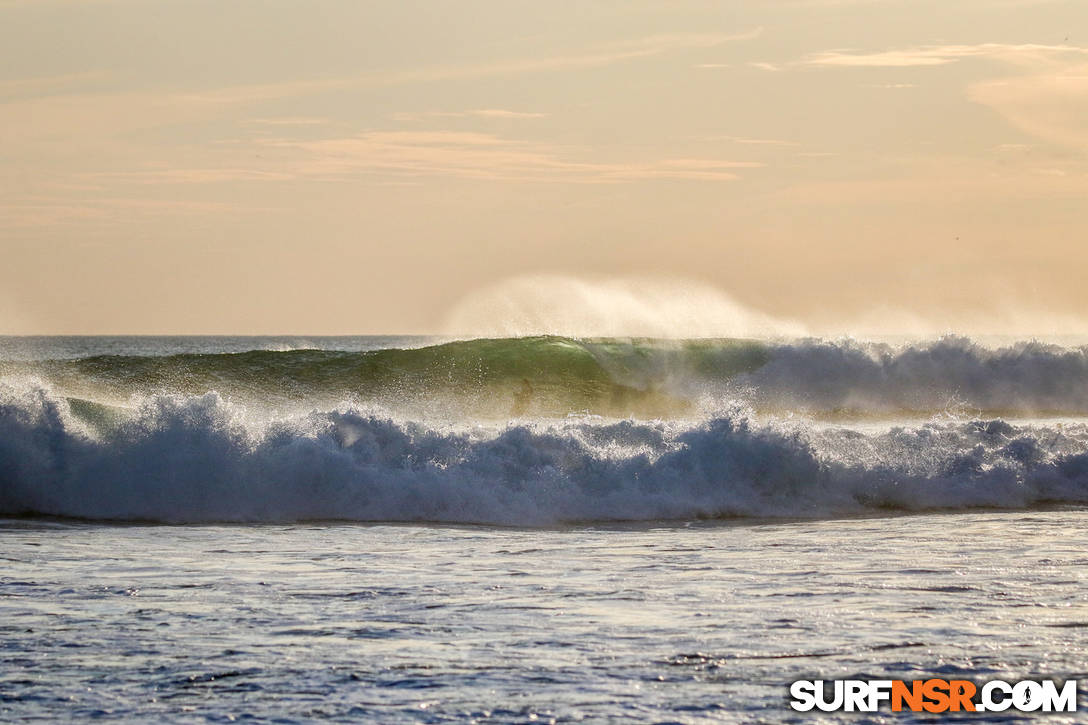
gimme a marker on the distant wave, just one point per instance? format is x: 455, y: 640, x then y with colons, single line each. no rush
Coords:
x: 202, y: 459
x: 554, y: 376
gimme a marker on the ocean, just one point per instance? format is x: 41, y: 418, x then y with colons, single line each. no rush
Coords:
x: 539, y: 529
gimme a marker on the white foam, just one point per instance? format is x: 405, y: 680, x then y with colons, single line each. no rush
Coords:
x: 197, y: 459
x: 953, y: 372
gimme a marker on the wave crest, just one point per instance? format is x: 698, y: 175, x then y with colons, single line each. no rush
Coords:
x: 554, y: 376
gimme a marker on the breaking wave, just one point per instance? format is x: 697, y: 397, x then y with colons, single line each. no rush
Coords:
x: 177, y: 458
x: 554, y: 376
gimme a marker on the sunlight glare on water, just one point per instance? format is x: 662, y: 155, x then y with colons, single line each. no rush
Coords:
x: 677, y: 623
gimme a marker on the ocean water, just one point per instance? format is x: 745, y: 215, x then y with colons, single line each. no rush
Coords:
x: 534, y: 529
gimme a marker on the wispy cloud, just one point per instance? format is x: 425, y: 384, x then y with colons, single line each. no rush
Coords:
x: 6, y: 4
x: 495, y: 113
x: 188, y: 176
x: 1050, y: 103
x: 27, y: 212
x: 287, y: 121
x: 832, y: 3
x: 757, y: 141
x: 482, y: 156
x: 601, y: 56
x: 43, y: 85
x: 604, y: 55
x: 931, y: 55
x: 884, y: 59
x: 1047, y: 98
x: 210, y: 100
x: 949, y: 182
x: 503, y: 113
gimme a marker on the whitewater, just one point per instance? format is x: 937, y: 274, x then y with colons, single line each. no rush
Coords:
x: 544, y: 430
x: 545, y: 528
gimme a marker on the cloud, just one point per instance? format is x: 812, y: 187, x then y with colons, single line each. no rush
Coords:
x: 65, y: 128
x: 931, y: 55
x: 63, y: 107
x: 503, y: 113
x: 498, y: 113
x: 1047, y: 100
x: 188, y: 176
x: 942, y: 181
x: 603, y: 55
x: 287, y: 121
x: 832, y: 3
x: 481, y: 156
x: 11, y: 4
x: 609, y: 54
x: 28, y: 212
x: 885, y: 59
x: 47, y: 85
x: 1050, y: 104
x: 756, y: 141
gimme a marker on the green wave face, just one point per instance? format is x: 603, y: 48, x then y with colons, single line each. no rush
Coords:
x: 551, y: 376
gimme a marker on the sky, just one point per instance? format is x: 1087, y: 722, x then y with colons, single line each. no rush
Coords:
x: 722, y: 167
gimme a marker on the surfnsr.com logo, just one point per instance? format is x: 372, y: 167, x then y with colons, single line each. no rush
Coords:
x: 933, y: 695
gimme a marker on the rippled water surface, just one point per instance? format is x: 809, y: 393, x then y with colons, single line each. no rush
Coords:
x: 649, y: 623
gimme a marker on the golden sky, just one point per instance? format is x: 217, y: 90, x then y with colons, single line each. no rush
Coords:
x: 324, y: 167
